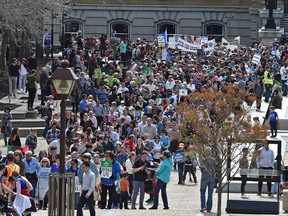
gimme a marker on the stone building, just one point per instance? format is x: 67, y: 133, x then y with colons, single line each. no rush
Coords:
x: 146, y: 19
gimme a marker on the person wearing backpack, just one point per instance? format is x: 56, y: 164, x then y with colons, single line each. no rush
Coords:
x: 179, y: 158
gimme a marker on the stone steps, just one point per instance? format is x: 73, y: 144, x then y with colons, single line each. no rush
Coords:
x: 28, y: 123
x: 23, y: 115
x: 24, y: 131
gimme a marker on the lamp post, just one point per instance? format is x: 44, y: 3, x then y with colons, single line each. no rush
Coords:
x: 63, y: 81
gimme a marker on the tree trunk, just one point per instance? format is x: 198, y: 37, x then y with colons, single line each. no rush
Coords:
x: 25, y: 46
x: 12, y: 48
x: 219, y: 199
x: 3, y: 56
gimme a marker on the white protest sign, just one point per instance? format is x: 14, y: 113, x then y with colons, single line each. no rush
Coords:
x: 256, y: 59
x: 161, y: 42
x: 210, y: 45
x: 43, y: 183
x: 78, y: 186
x: 172, y: 43
x: 183, y: 92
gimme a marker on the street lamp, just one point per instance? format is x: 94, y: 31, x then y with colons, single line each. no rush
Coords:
x: 63, y: 81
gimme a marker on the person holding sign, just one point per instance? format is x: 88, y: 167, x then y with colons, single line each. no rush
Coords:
x: 87, y: 195
x: 179, y: 158
x: 110, y: 172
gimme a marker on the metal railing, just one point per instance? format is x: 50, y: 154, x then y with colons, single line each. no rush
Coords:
x: 61, y: 196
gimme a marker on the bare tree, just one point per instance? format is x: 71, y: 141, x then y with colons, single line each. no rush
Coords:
x: 22, y: 20
x: 218, y: 119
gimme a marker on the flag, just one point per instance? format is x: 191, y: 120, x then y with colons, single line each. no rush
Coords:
x: 225, y: 42
x: 237, y: 39
x: 165, y: 36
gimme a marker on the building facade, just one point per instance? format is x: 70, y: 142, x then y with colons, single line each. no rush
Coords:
x: 146, y: 19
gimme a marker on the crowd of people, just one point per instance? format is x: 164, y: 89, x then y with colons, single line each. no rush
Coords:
x: 124, y: 112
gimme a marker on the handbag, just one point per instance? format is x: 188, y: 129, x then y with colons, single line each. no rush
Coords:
x: 3, y: 129
x: 97, y: 196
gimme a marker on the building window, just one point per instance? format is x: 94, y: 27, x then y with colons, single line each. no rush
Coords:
x: 171, y: 29
x: 72, y: 27
x: 120, y: 30
x: 214, y: 31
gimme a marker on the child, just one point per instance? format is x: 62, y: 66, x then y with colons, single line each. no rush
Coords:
x: 244, y: 164
x: 124, y: 187
x: 273, y: 118
x: 179, y: 157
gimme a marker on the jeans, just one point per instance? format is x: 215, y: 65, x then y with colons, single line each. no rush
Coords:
x: 267, y: 93
x: 111, y: 191
x: 7, y: 133
x: 180, y: 171
x: 160, y: 185
x: 33, y: 180
x: 273, y: 128
x: 124, y: 200
x: 130, y: 180
x: 276, y: 185
x: 22, y: 82
x: 138, y: 185
x: 77, y: 197
x: 284, y: 87
x: 243, y: 184
x: 89, y: 201
x: 206, y: 181
x: 12, y: 85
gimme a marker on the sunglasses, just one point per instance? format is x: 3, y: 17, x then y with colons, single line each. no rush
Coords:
x: 73, y: 163
x: 44, y: 161
x: 29, y: 155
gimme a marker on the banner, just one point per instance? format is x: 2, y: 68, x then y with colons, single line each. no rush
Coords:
x: 188, y: 47
x: 43, y: 183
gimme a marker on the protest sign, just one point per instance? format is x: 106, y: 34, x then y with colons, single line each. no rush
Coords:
x: 106, y: 169
x: 172, y: 43
x: 183, y: 92
x: 43, y: 183
x: 256, y: 59
x: 78, y: 186
x: 161, y: 42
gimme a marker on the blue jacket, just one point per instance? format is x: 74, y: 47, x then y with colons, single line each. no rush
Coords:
x: 164, y: 171
x: 116, y: 171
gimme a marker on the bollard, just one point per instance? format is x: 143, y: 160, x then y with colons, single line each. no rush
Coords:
x: 61, y: 194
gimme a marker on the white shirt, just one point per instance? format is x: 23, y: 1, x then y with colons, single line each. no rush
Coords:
x: 284, y: 73
x: 265, y: 158
x: 170, y: 84
x: 191, y: 87
x: 122, y: 90
x: 129, y: 166
x: 23, y: 70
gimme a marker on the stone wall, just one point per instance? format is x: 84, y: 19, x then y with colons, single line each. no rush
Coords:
x: 143, y: 20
